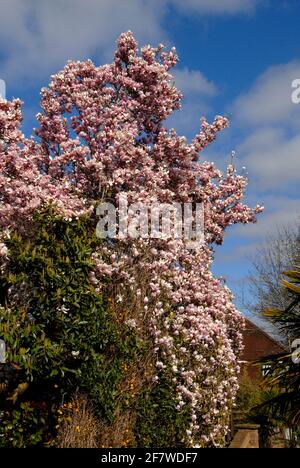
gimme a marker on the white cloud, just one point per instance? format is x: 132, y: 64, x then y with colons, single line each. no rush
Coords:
x: 272, y: 157
x: 192, y: 82
x: 197, y: 90
x: 38, y: 36
x: 271, y: 148
x: 269, y: 99
x: 279, y: 210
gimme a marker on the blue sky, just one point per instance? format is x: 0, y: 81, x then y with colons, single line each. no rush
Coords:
x: 237, y: 57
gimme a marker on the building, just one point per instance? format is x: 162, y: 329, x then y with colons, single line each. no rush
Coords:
x: 257, y: 345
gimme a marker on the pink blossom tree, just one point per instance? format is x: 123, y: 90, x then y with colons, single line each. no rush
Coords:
x: 101, y: 134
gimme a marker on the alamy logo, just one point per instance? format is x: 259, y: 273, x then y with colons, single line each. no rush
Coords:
x: 295, y: 96
x: 296, y: 353
x: 2, y: 352
x: 155, y: 221
x: 2, y: 89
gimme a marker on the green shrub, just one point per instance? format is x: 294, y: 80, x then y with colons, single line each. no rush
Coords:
x: 159, y: 424
x: 60, y: 334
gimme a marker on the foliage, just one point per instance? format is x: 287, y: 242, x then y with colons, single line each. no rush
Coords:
x: 23, y: 425
x: 285, y: 373
x: 59, y: 332
x: 156, y: 408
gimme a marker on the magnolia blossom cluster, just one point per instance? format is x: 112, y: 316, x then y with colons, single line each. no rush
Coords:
x: 101, y: 134
x: 25, y: 185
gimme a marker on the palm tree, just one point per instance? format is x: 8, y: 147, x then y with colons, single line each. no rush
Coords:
x: 284, y: 373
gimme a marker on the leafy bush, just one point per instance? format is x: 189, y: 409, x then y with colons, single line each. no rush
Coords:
x: 159, y: 423
x: 60, y: 333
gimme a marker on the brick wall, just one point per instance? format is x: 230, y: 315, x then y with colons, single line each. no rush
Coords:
x: 257, y: 345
